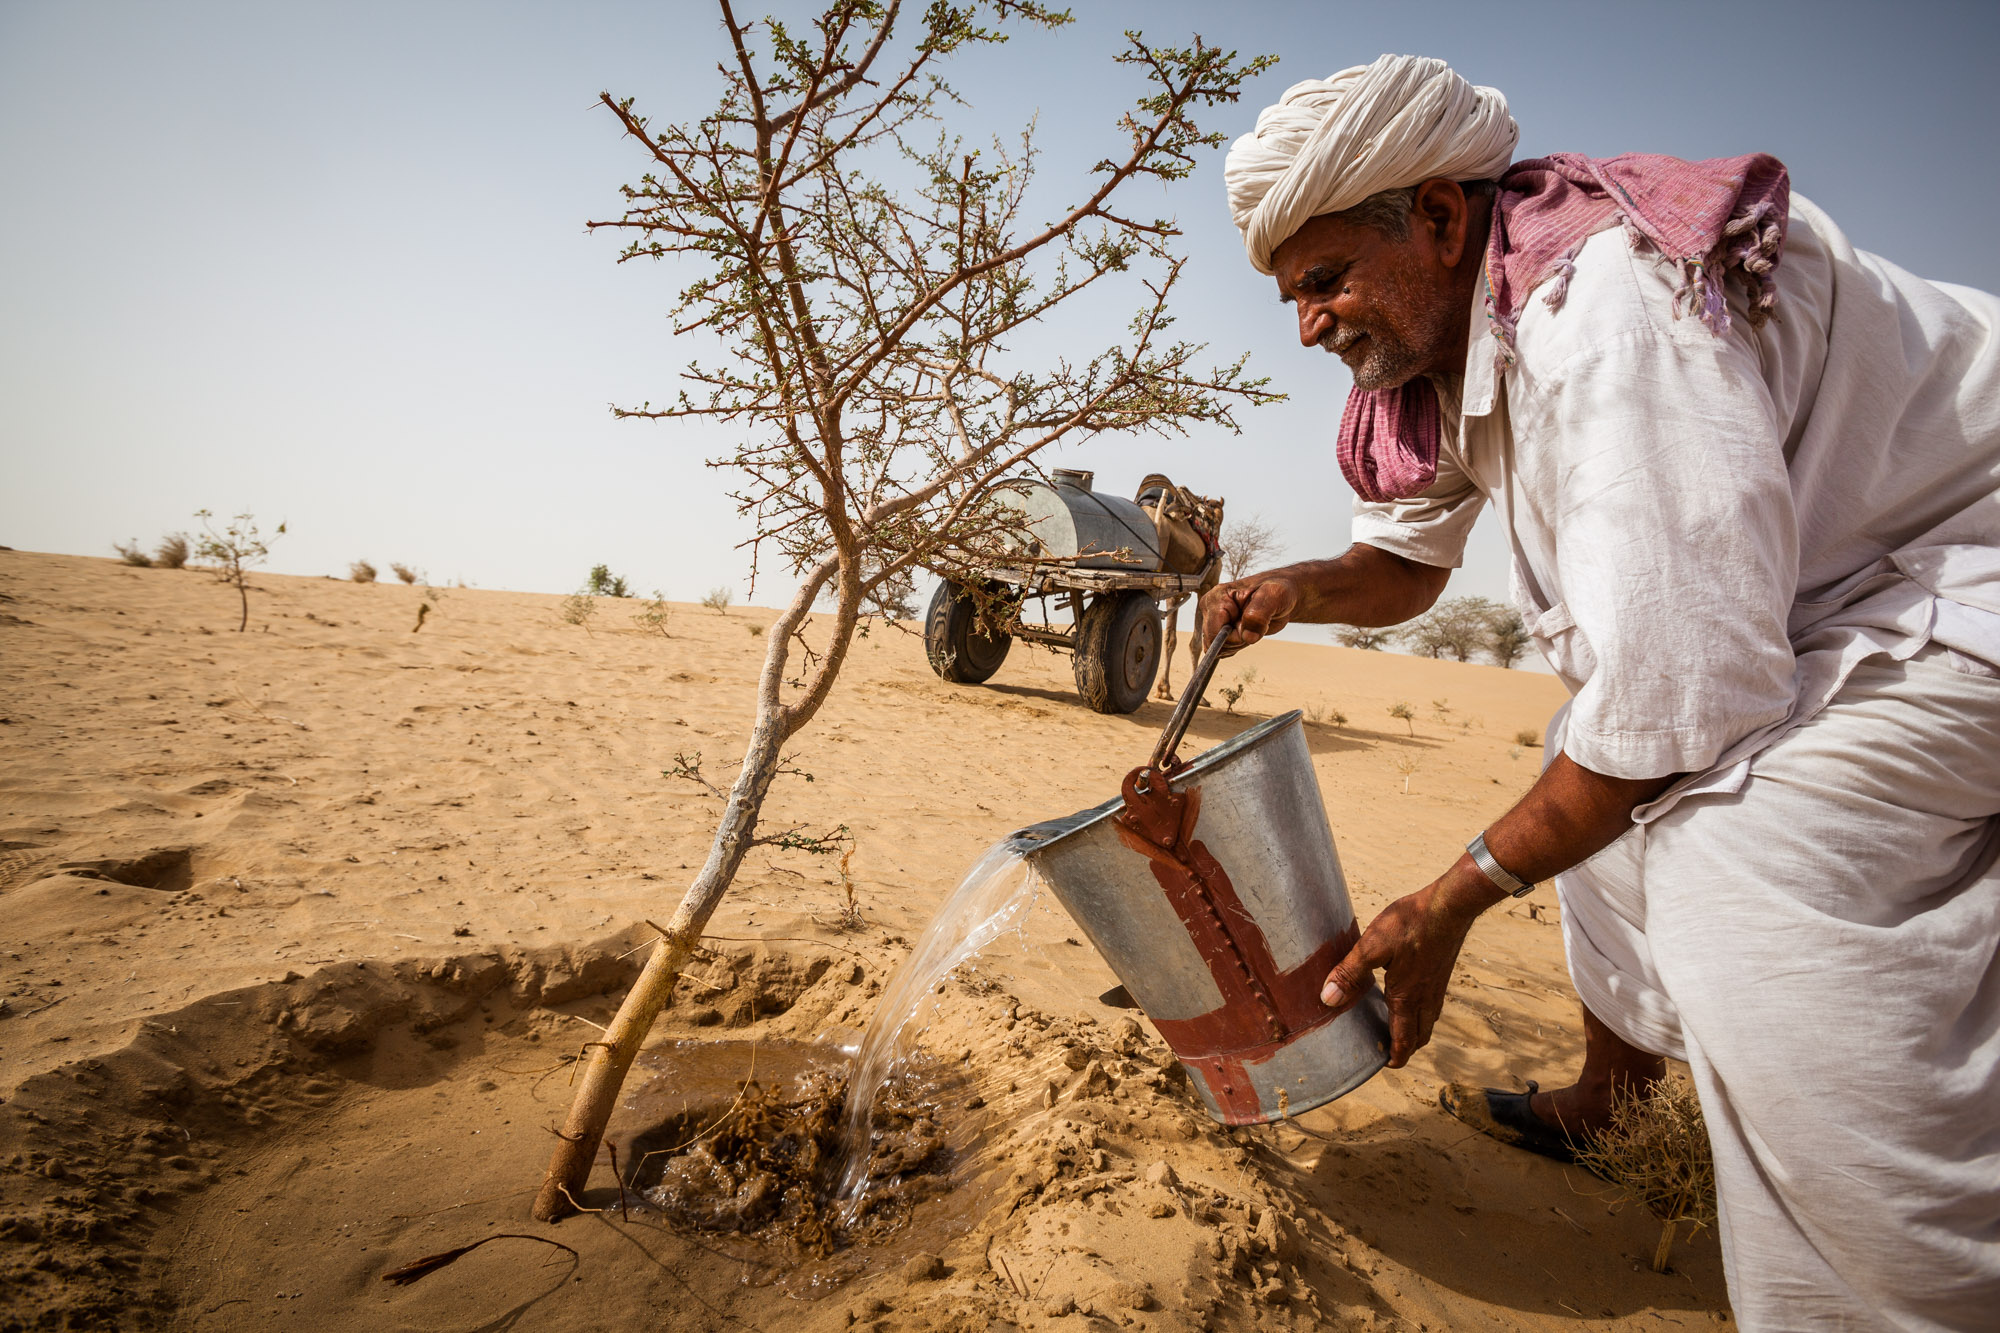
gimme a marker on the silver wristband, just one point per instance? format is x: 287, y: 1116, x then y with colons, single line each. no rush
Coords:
x: 1493, y: 870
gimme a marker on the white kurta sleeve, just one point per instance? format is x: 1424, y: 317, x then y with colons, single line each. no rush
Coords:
x: 1431, y: 528
x: 1676, y: 548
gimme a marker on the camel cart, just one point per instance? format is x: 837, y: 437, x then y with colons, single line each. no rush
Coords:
x: 1121, y: 568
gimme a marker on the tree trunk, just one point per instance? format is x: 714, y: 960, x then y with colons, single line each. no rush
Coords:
x: 610, y: 1059
x: 243, y: 592
x: 1665, y: 1247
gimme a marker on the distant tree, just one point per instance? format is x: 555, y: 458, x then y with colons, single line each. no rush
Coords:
x: 603, y: 583
x: 1508, y: 639
x: 232, y: 551
x: 1248, y: 545
x: 1363, y: 637
x: 1456, y: 628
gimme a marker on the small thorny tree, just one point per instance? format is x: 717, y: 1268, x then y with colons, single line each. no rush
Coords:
x: 870, y: 360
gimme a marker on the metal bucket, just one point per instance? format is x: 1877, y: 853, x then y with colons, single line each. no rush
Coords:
x: 1213, y: 890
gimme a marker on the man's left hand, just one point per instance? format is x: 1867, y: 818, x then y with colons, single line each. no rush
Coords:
x: 1416, y: 941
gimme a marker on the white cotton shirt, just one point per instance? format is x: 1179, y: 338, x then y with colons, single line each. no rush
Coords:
x: 1709, y: 532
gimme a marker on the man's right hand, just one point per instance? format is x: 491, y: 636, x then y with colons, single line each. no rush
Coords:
x: 1247, y: 610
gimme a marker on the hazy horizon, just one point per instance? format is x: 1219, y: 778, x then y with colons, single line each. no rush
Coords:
x: 329, y: 265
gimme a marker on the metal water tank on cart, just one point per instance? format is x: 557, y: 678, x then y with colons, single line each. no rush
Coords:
x: 1121, y: 567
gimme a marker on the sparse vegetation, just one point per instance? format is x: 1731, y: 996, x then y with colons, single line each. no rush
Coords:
x: 603, y: 583
x: 1406, y: 714
x: 1441, y: 711
x: 577, y: 609
x: 130, y: 553
x: 1363, y: 637
x: 231, y: 553
x: 1656, y: 1152
x: 405, y: 573
x: 653, y: 614
x: 1407, y: 765
x: 361, y: 572
x: 1232, y: 694
x: 1461, y: 627
x: 718, y: 599
x: 172, y: 552
x: 1529, y: 737
x: 1248, y: 545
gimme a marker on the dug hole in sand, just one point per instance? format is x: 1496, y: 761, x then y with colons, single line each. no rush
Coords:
x: 301, y: 931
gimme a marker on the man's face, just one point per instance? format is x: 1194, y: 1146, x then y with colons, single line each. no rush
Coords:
x: 1387, y: 308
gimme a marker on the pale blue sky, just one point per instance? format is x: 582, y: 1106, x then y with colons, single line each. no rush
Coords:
x: 327, y: 263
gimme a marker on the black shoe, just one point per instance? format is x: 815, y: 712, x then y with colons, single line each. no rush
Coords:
x: 1507, y: 1117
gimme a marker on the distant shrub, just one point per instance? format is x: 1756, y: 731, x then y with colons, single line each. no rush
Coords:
x: 755, y: 630
x: 361, y: 572
x: 130, y: 553
x: 653, y: 614
x: 577, y: 609
x: 405, y: 573
x: 1528, y: 736
x: 1407, y: 714
x: 718, y: 599
x: 231, y: 551
x: 173, y: 552
x: 603, y: 583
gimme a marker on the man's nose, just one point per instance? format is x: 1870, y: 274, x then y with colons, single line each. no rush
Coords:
x: 1315, y: 322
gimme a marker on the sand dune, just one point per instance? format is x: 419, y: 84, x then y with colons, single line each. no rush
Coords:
x: 296, y: 924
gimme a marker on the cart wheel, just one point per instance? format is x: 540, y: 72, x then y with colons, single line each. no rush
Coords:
x: 958, y: 650
x: 1117, y: 651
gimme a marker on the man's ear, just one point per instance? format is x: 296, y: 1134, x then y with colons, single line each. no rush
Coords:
x: 1442, y: 205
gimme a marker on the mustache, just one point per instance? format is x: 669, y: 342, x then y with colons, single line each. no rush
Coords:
x: 1340, y: 339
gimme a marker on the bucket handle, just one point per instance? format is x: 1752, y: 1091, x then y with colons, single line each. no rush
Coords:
x: 1164, y: 758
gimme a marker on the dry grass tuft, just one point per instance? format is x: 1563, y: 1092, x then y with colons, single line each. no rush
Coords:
x: 718, y: 599
x: 130, y: 553
x: 361, y: 572
x: 405, y: 573
x: 1656, y: 1152
x: 173, y: 551
x: 1528, y: 738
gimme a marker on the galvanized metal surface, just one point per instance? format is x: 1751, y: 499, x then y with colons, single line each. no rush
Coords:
x: 1262, y: 822
x: 1070, y: 522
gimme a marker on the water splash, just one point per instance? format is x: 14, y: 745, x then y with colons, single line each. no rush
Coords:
x: 992, y: 899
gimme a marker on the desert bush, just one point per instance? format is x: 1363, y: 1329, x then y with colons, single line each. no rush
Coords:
x: 603, y: 583
x: 1407, y: 714
x: 1656, y: 1152
x: 172, y: 552
x: 1529, y: 737
x: 1362, y: 636
x: 232, y: 551
x: 718, y: 599
x: 1325, y: 713
x: 130, y: 553
x: 361, y: 572
x: 577, y: 609
x: 405, y: 573
x: 653, y: 614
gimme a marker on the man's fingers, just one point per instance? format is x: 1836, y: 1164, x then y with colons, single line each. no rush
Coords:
x: 1352, y: 975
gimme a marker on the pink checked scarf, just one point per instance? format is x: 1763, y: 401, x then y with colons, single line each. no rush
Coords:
x: 1712, y: 220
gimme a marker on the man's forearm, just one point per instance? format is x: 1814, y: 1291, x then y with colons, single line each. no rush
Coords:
x: 1363, y: 586
x: 1568, y: 816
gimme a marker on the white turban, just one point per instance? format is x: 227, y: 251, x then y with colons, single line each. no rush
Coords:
x: 1330, y: 143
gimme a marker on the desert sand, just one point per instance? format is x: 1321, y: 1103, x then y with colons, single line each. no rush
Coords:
x: 300, y: 928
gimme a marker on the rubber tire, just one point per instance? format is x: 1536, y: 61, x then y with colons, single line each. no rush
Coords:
x: 1118, y: 651
x: 958, y: 652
